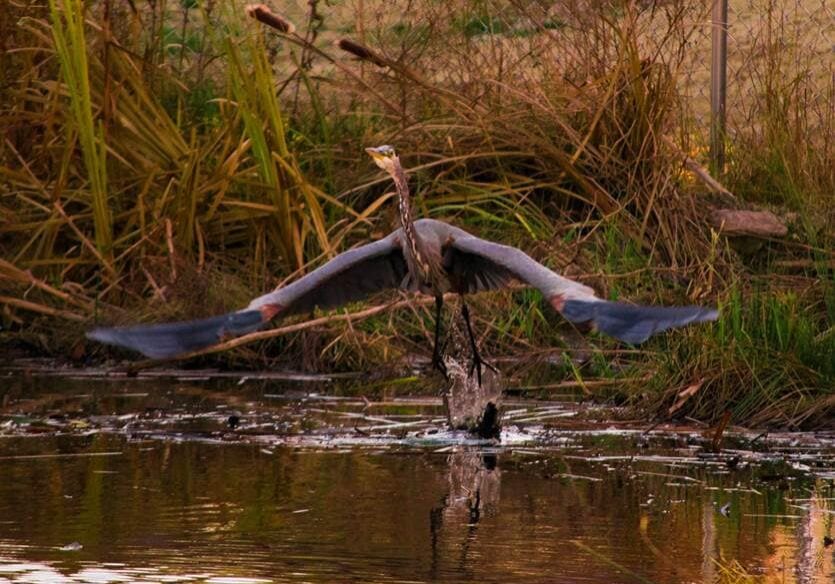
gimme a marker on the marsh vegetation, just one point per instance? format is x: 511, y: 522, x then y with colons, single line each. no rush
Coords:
x: 169, y: 160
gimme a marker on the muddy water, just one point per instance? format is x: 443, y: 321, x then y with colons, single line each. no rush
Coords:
x: 153, y: 480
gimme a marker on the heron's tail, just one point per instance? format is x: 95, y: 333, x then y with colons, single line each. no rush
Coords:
x: 160, y: 341
x: 633, y: 323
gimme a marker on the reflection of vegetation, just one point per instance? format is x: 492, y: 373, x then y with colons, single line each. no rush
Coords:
x: 232, y: 508
x: 733, y: 572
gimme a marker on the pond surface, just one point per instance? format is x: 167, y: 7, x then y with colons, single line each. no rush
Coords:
x: 155, y: 480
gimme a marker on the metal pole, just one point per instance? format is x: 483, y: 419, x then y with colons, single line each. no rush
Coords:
x: 718, y: 85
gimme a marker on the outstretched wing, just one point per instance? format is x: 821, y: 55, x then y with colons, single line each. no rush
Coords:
x: 475, y: 264
x: 350, y: 276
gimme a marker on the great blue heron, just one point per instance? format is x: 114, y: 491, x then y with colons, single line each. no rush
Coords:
x: 427, y: 256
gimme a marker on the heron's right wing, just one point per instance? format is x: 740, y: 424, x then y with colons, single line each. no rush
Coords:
x: 350, y: 276
x: 476, y: 264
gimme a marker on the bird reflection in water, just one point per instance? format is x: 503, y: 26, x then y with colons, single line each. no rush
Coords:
x: 474, y: 485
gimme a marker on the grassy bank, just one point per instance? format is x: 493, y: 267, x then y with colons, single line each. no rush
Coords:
x: 172, y: 160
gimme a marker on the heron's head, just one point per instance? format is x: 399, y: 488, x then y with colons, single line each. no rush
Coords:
x: 385, y: 157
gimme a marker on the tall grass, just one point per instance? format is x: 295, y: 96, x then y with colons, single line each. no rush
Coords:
x: 201, y: 157
x: 769, y: 360
x: 785, y: 124
x: 71, y: 49
x: 297, y: 203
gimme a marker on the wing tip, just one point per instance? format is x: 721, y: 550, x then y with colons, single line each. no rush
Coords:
x: 127, y: 338
x: 634, y: 324
x: 168, y: 340
x: 100, y: 334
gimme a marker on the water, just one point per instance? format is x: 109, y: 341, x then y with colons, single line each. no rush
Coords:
x: 207, y: 480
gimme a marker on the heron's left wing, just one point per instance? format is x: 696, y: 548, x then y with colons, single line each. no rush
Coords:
x: 350, y: 276
x: 477, y: 264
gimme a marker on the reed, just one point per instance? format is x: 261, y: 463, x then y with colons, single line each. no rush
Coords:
x: 298, y: 209
x: 71, y: 50
x: 769, y: 360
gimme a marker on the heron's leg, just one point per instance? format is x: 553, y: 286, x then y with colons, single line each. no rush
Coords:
x: 437, y: 351
x: 477, y: 360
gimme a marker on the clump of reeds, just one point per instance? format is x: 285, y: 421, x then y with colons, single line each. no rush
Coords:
x: 71, y: 50
x: 770, y: 360
x: 153, y: 184
x: 147, y: 165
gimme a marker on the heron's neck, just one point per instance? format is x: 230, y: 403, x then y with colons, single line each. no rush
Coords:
x: 404, y: 205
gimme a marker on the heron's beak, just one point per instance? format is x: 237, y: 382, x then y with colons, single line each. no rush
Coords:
x: 374, y: 153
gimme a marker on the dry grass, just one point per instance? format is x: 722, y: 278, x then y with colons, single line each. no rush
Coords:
x: 204, y: 156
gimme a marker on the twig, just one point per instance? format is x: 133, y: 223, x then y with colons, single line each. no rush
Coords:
x: 700, y: 171
x: 85, y: 241
x: 685, y: 395
x: 579, y: 384
x: 718, y: 434
x: 43, y: 309
x: 169, y: 239
x: 28, y: 277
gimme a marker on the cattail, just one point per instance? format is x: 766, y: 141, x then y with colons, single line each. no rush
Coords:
x: 263, y: 14
x: 362, y: 52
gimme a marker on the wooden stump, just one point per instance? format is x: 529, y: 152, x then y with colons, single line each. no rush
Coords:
x: 469, y: 406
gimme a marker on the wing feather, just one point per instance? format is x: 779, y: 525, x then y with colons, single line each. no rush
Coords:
x: 476, y: 264
x: 348, y: 277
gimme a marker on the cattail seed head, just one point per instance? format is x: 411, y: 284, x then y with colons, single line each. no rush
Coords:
x: 362, y: 52
x: 263, y: 14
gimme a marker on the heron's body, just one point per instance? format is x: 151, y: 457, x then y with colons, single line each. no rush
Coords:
x: 424, y: 256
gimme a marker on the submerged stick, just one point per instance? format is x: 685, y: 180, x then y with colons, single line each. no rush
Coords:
x: 61, y: 455
x: 607, y: 560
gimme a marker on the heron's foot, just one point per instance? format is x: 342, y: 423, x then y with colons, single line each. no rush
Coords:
x: 476, y: 365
